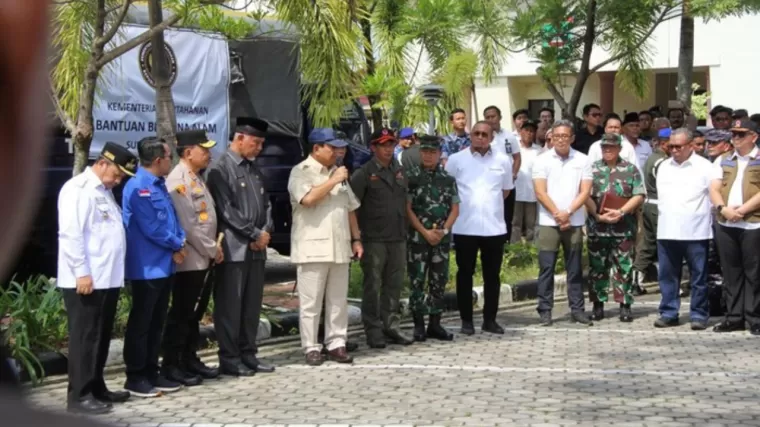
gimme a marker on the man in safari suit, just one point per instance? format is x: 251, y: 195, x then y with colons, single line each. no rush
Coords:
x: 196, y: 213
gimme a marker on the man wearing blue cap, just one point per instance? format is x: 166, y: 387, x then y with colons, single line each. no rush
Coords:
x: 646, y: 251
x: 324, y: 238
x: 406, y: 140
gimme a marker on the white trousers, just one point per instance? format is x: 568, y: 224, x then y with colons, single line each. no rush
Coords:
x: 328, y: 282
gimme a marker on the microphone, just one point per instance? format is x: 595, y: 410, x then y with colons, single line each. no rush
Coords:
x: 339, y: 163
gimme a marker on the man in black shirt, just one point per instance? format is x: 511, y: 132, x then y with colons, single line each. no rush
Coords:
x: 591, y: 131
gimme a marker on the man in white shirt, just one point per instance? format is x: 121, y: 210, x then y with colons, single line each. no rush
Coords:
x: 562, y: 180
x: 91, y: 250
x: 506, y: 142
x: 684, y: 229
x: 484, y: 180
x: 526, y: 214
x: 735, y: 192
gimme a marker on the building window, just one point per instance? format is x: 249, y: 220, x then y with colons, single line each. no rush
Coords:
x: 535, y: 106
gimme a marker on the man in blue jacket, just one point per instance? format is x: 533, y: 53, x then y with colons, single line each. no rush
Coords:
x: 155, y: 243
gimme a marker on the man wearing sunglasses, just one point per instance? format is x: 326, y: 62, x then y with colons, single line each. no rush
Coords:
x: 735, y: 192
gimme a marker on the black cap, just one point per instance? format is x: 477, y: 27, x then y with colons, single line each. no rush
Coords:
x: 631, y: 118
x: 121, y: 157
x: 744, y: 125
x: 189, y: 138
x: 740, y: 114
x: 430, y: 142
x: 251, y: 126
x: 531, y: 123
x: 382, y: 135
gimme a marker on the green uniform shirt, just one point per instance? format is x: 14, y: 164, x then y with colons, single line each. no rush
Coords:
x: 382, y: 193
x: 624, y: 180
x: 650, y: 173
x: 432, y: 194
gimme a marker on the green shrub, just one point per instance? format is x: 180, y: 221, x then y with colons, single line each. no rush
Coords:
x: 34, y: 320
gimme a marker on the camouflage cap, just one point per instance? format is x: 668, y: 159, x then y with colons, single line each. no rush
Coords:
x: 430, y: 142
x: 611, y: 139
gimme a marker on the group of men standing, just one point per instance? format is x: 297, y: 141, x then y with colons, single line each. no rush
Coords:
x: 173, y: 230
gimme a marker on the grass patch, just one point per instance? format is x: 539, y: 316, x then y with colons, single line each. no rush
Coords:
x: 520, y: 263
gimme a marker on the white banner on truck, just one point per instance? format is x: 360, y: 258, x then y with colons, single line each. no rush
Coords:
x: 125, y: 108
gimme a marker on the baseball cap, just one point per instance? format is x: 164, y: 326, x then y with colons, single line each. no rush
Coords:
x: 611, y: 139
x: 431, y: 142
x: 326, y: 136
x: 717, y: 135
x: 382, y: 135
x: 744, y: 125
x: 531, y: 123
x: 406, y: 133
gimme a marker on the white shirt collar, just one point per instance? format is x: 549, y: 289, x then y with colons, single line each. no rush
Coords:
x: 752, y: 154
x: 570, y: 155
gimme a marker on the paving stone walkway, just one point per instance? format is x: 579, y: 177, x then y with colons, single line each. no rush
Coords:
x: 611, y: 374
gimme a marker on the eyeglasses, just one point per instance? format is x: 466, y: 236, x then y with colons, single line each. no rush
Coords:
x: 738, y: 134
x: 561, y: 137
x: 678, y: 147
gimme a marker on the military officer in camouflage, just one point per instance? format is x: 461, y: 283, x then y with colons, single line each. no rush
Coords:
x: 432, y: 208
x: 617, y: 190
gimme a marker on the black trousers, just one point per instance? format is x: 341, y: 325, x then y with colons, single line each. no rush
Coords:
x: 237, y: 306
x: 142, y: 340
x: 491, y: 255
x: 182, y: 332
x: 509, y: 213
x: 91, y: 320
x: 740, y: 259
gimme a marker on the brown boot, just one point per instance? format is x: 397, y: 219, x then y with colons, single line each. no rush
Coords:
x: 340, y: 355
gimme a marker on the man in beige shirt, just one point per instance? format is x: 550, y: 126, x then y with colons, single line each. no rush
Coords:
x: 324, y: 237
x: 196, y: 213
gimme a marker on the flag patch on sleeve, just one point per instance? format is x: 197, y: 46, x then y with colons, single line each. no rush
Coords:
x: 143, y: 193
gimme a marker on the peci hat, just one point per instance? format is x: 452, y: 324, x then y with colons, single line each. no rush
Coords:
x: 714, y: 136
x: 190, y: 138
x: 632, y: 117
x: 405, y: 133
x: 251, y: 126
x: 743, y: 125
x: 611, y: 139
x: 326, y: 136
x: 121, y: 157
x: 430, y: 142
x: 382, y: 135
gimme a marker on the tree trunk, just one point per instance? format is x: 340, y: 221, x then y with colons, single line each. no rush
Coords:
x: 369, y: 58
x: 686, y: 58
x: 474, y: 101
x: 166, y: 119
x: 82, y: 136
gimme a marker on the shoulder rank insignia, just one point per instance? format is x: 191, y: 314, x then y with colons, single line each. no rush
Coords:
x: 180, y: 189
x: 143, y: 193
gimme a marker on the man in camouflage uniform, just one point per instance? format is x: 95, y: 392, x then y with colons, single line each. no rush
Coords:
x: 432, y: 208
x: 617, y: 191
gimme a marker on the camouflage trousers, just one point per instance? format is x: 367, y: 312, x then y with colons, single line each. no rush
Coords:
x: 431, y: 263
x: 611, y: 262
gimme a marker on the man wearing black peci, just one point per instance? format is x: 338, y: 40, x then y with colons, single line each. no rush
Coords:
x: 244, y: 215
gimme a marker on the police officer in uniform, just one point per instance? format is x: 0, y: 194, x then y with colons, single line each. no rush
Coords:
x: 380, y: 186
x: 155, y: 245
x: 244, y: 214
x: 432, y: 208
x: 197, y: 215
x: 91, y: 250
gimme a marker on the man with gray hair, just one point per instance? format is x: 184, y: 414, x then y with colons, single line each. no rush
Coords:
x: 684, y: 229
x: 562, y: 180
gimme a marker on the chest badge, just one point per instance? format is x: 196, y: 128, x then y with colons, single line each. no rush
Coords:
x: 203, y: 216
x: 242, y: 184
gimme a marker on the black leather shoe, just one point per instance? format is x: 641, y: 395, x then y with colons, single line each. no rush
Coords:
x: 467, y: 328
x: 581, y: 318
x: 755, y: 329
x: 397, y: 337
x: 113, y: 396
x: 492, y: 327
x: 236, y: 370
x: 625, y: 313
x: 351, y: 346
x: 176, y: 374
x: 545, y: 318
x: 727, y: 326
x: 88, y: 406
x: 419, y: 328
x: 436, y: 331
x: 255, y: 364
x: 598, y: 312
x: 195, y: 366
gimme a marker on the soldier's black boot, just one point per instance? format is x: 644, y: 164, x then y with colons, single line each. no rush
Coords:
x: 625, y: 313
x: 598, y: 312
x: 419, y: 328
x: 436, y: 331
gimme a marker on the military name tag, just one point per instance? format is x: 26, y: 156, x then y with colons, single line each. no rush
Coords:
x: 101, y: 201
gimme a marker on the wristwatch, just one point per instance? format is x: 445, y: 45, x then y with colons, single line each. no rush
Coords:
x: 445, y: 231
x: 719, y: 208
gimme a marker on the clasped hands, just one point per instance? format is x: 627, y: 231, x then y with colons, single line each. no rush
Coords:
x: 732, y: 213
x: 610, y: 216
x: 262, y: 242
x: 434, y: 236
